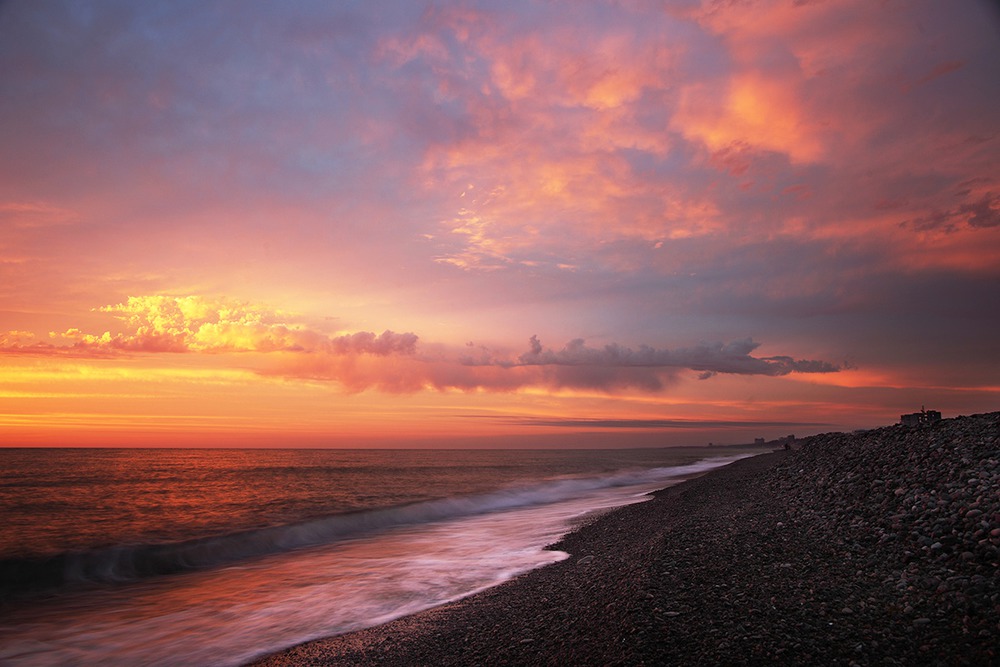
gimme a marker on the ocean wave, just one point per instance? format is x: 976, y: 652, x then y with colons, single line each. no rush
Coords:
x: 132, y: 562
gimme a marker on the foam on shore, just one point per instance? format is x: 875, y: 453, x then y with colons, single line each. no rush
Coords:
x: 880, y: 547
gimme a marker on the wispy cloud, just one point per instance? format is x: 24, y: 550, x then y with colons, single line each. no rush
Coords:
x: 655, y: 423
x: 799, y: 181
x: 982, y: 212
x: 733, y: 357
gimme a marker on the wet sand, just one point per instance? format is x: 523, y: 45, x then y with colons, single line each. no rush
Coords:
x: 795, y: 557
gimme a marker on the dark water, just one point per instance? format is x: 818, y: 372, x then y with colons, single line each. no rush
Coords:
x: 217, y: 556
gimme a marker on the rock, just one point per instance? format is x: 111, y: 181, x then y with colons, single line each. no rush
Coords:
x: 824, y: 587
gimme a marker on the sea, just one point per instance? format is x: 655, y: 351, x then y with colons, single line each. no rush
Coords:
x: 219, y: 556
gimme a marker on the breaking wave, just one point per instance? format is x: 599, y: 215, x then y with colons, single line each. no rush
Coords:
x: 131, y: 562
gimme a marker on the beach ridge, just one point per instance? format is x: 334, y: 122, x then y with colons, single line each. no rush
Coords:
x: 878, y: 547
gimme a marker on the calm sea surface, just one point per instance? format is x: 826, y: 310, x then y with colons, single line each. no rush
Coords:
x: 181, y: 557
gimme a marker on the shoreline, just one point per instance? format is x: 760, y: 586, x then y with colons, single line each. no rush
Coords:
x: 785, y: 557
x: 427, y: 637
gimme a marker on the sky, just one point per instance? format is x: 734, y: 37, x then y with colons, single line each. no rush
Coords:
x: 494, y: 224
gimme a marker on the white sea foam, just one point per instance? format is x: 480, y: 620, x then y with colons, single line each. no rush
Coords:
x: 427, y: 554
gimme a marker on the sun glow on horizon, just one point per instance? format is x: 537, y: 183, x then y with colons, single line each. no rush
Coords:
x: 628, y: 224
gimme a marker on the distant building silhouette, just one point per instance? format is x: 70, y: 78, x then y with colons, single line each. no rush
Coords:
x: 920, y: 418
x: 785, y: 442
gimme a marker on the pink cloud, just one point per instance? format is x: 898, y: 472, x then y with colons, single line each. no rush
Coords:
x: 750, y: 109
x: 35, y: 214
x: 939, y: 70
x: 391, y: 362
x: 609, y: 368
x: 733, y: 358
x: 636, y: 171
x: 979, y: 213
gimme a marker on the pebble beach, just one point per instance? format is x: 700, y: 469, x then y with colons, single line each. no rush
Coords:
x: 879, y: 547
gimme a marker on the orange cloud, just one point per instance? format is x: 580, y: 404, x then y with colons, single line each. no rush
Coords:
x: 545, y: 153
x: 16, y: 338
x: 199, y: 324
x: 749, y: 110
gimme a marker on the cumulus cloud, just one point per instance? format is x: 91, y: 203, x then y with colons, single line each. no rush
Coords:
x: 390, y: 361
x: 16, y: 338
x: 187, y: 324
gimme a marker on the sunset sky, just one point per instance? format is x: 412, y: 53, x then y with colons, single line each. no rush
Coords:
x: 626, y: 223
